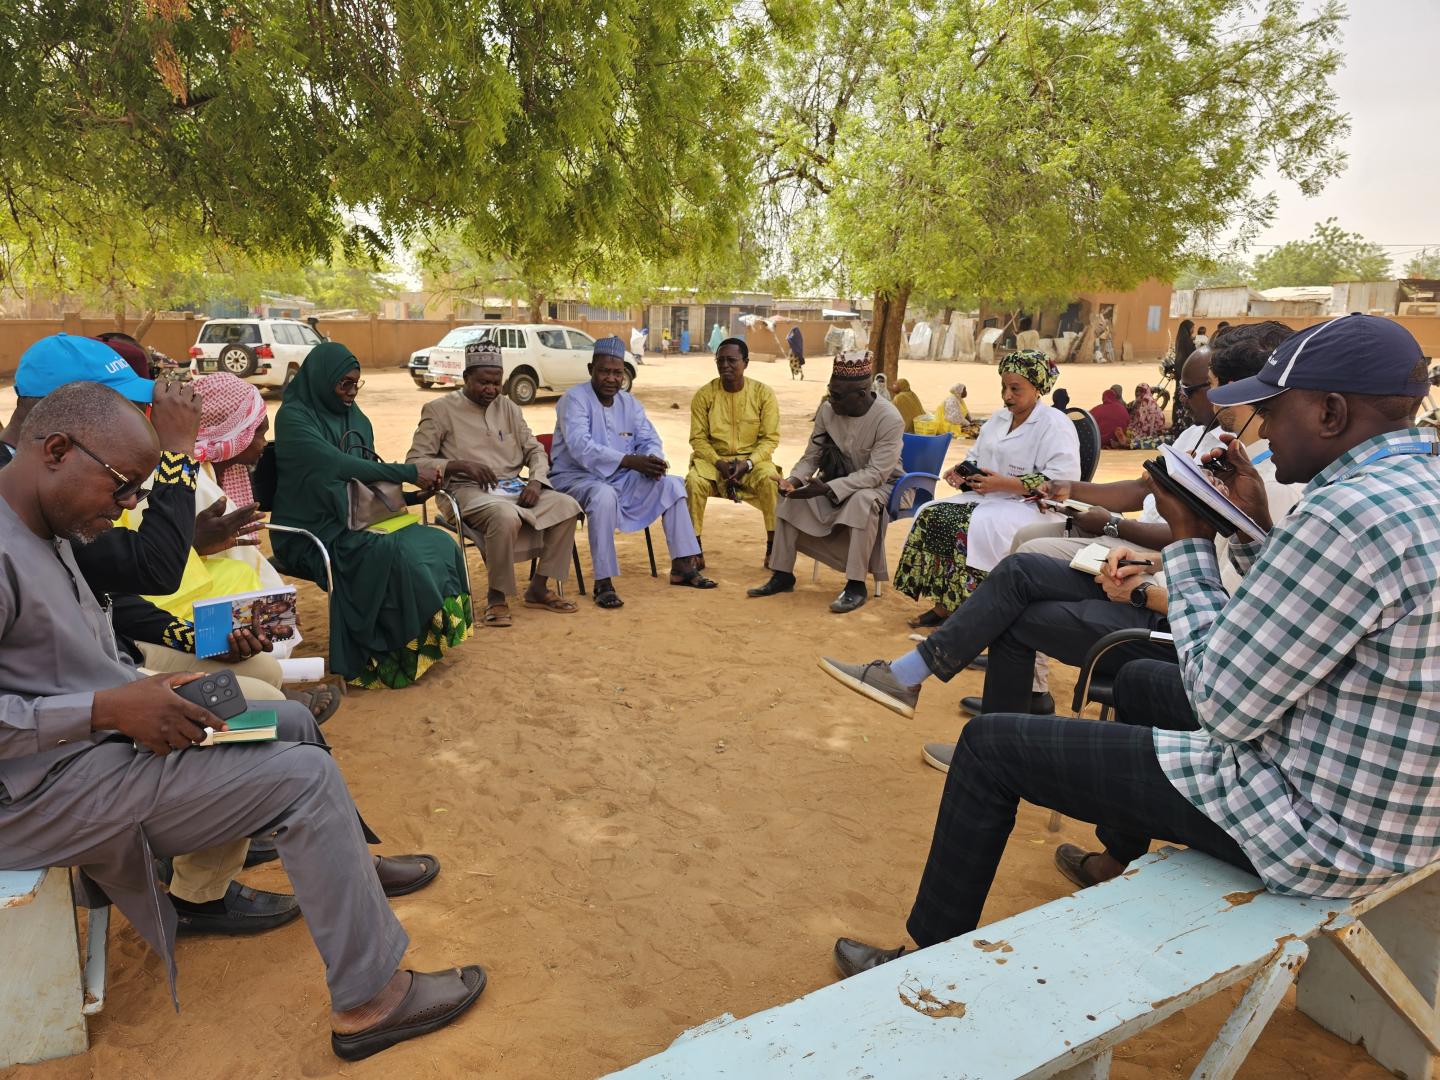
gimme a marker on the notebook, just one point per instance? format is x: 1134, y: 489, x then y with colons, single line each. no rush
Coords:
x: 256, y: 726
x: 1185, y: 472
x: 268, y: 611
x: 1090, y: 559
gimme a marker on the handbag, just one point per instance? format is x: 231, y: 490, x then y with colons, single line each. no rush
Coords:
x: 368, y: 503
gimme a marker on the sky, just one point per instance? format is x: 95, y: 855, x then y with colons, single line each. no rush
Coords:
x: 1390, y: 190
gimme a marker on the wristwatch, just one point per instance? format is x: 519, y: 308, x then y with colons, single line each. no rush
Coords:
x: 1112, y: 527
x: 1137, y: 594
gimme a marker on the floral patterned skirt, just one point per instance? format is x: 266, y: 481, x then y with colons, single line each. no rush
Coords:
x: 932, y: 565
x: 452, y: 624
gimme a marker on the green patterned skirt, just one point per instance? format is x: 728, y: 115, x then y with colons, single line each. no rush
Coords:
x: 932, y: 565
x: 452, y: 624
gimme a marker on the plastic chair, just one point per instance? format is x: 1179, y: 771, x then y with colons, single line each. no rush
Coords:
x: 921, y: 456
x: 1089, y: 433
x: 548, y: 441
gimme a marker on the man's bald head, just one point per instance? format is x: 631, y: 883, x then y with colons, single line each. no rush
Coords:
x: 81, y: 444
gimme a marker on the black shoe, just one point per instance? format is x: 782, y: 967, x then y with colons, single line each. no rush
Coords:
x: 778, y: 583
x: 242, y: 911
x: 853, y: 957
x: 980, y: 663
x: 848, y: 601
x: 1040, y: 705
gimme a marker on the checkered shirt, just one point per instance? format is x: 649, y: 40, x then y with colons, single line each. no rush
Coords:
x: 1317, y: 685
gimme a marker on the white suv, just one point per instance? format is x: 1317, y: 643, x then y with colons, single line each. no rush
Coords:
x: 267, y: 352
x: 538, y: 356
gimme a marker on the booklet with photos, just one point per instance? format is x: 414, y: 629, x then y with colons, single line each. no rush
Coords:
x: 270, y: 612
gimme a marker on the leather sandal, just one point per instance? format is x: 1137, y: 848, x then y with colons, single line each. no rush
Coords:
x: 926, y: 619
x: 433, y: 1000
x: 694, y: 580
x: 552, y: 601
x: 400, y: 875
x: 608, y: 598
x: 497, y: 615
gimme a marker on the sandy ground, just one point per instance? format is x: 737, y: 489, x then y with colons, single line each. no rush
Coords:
x: 647, y: 817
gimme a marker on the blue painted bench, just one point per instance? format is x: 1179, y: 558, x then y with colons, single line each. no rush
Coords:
x: 46, y: 990
x: 1051, y: 991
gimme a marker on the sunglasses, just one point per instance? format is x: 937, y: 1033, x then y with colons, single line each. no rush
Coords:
x: 349, y: 386
x: 1191, y: 389
x: 125, y: 488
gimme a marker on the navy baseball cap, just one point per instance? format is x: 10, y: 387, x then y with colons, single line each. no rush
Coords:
x: 1355, y: 354
x: 610, y: 346
x: 65, y: 358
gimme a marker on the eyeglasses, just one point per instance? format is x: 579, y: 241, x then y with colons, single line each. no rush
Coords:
x: 125, y: 488
x: 345, y: 386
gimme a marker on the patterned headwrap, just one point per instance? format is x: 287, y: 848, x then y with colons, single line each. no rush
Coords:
x: 231, y: 411
x: 854, y: 364
x: 483, y: 354
x: 1033, y: 366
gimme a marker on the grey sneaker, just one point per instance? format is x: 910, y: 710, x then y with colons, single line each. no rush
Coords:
x: 938, y: 754
x: 875, y: 681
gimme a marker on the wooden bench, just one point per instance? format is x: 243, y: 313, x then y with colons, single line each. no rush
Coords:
x: 1050, y: 992
x: 45, y: 993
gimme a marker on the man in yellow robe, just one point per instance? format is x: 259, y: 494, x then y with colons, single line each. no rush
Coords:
x: 734, y: 431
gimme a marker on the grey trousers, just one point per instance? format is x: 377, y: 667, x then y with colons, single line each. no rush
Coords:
x: 107, y: 810
x: 844, y: 549
x: 499, y: 524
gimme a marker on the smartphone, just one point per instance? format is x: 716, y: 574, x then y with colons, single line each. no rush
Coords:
x: 967, y: 468
x: 217, y: 692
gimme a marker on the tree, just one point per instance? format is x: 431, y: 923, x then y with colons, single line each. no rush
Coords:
x: 1424, y: 264
x: 563, y: 137
x: 1329, y: 255
x: 1019, y: 151
x: 1214, y: 272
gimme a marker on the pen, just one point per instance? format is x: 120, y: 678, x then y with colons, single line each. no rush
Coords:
x: 1134, y: 562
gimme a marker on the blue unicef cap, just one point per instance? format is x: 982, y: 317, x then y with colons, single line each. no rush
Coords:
x: 64, y: 358
x: 610, y: 346
x: 1355, y: 354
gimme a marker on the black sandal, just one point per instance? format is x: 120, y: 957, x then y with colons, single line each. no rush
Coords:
x: 926, y: 620
x: 695, y: 580
x: 608, y: 598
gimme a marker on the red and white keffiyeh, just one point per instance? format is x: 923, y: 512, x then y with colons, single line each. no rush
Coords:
x: 231, y: 411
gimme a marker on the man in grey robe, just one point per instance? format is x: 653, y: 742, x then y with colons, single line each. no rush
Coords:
x: 832, y: 506
x: 479, y: 439
x: 87, y: 774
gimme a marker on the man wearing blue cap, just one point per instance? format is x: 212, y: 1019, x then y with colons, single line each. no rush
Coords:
x: 609, y: 458
x: 1315, y: 730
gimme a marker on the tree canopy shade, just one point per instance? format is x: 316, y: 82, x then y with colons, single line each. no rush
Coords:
x: 557, y: 135
x: 1328, y: 255
x: 1016, y: 151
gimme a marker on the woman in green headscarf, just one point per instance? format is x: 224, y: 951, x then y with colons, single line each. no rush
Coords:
x: 400, y: 599
x: 955, y: 542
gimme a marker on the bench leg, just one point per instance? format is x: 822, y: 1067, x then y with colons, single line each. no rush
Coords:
x: 40, y: 994
x: 1097, y: 1068
x: 97, y: 939
x: 1375, y: 981
x: 1230, y: 1048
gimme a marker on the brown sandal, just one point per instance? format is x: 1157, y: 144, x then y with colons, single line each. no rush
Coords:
x: 553, y: 601
x: 497, y: 615
x: 432, y: 1001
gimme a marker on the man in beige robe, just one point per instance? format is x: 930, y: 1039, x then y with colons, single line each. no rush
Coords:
x: 832, y: 506
x: 479, y: 439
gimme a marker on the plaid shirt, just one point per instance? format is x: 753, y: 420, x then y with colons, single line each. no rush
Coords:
x: 1317, y: 686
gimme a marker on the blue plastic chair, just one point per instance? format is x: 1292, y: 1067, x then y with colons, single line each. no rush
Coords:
x: 921, y: 457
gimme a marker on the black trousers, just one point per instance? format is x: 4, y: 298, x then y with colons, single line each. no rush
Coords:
x: 1033, y: 604
x: 1103, y: 773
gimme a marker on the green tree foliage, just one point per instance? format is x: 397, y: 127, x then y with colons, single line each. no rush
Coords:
x: 562, y: 136
x: 1019, y: 151
x: 1424, y: 264
x: 1215, y: 272
x: 1328, y: 255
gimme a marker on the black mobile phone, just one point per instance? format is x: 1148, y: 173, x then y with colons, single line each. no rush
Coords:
x: 968, y: 468
x: 216, y: 691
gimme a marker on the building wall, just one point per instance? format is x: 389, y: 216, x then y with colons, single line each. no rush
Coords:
x: 1425, y: 328
x: 1135, y: 313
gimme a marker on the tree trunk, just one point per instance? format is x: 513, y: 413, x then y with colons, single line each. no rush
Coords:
x: 886, y: 330
x: 144, y: 325
x: 537, y: 307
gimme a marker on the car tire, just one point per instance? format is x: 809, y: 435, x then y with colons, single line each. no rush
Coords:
x: 629, y: 378
x: 523, y: 389
x: 238, y: 360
